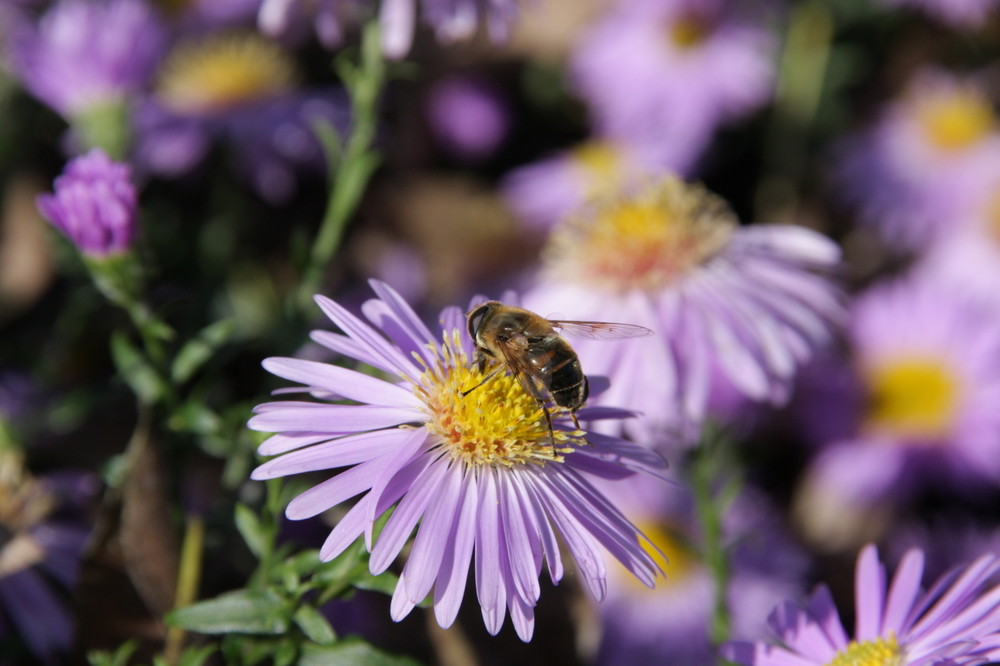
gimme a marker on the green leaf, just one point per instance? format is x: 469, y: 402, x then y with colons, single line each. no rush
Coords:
x: 351, y: 652
x: 242, y: 611
x: 196, y: 417
x: 252, y: 530
x: 332, y: 142
x: 314, y: 625
x: 136, y: 370
x: 385, y: 582
x: 119, y: 657
x: 200, y: 349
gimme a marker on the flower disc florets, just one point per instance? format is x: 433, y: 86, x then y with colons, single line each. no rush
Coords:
x: 488, y: 420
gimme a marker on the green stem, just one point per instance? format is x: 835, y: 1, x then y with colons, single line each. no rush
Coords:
x: 352, y: 164
x: 711, y: 481
x: 799, y: 91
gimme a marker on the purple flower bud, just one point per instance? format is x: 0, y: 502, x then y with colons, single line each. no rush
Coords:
x: 94, y: 204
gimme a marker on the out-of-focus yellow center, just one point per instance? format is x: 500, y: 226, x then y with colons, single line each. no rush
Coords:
x: 879, y: 652
x: 644, y: 239
x: 224, y: 72
x: 495, y: 422
x: 913, y: 397
x: 956, y: 121
x: 599, y: 160
x: 688, y: 32
x: 669, y: 552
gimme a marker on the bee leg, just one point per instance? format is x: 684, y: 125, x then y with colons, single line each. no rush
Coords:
x: 483, y: 380
x: 548, y: 422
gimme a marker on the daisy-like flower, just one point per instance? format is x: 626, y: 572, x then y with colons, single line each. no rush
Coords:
x: 451, y: 21
x: 742, y: 303
x: 471, y: 461
x: 240, y: 88
x: 39, y: 560
x: 954, y: 623
x: 670, y: 71
x: 932, y: 155
x: 468, y: 116
x: 924, y: 391
x: 81, y: 55
x: 94, y: 204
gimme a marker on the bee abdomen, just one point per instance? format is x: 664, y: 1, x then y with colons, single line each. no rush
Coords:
x: 569, y: 387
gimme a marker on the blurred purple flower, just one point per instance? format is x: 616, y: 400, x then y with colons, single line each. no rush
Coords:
x: 240, y: 89
x: 668, y: 72
x: 39, y: 560
x: 81, y: 55
x: 742, y: 301
x: 966, y: 14
x: 477, y: 470
x: 544, y: 192
x: 926, y: 363
x: 670, y: 624
x: 94, y: 204
x: 467, y: 116
x: 955, y: 623
x: 453, y: 20
x: 919, y: 173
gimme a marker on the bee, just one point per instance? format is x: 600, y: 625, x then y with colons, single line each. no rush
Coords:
x: 528, y: 346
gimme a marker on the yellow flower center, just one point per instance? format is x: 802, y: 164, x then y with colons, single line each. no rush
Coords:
x: 879, y: 652
x: 224, y: 72
x: 645, y: 239
x: 489, y: 420
x: 599, y: 160
x: 688, y: 32
x: 913, y: 397
x: 958, y: 120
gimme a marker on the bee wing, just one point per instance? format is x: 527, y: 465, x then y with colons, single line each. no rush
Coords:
x: 533, y: 380
x: 601, y: 330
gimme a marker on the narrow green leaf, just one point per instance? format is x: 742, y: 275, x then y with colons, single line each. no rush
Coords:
x: 350, y: 652
x: 242, y: 611
x: 385, y: 582
x: 198, y: 350
x: 332, y: 142
x: 136, y: 370
x: 314, y: 625
x: 251, y: 529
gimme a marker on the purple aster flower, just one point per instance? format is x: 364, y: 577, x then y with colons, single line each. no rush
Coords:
x: 238, y: 88
x: 94, y: 204
x: 670, y: 624
x: 81, y: 55
x: 478, y: 470
x: 670, y: 71
x: 954, y: 623
x: 742, y: 301
x: 289, y: 18
x: 920, y: 405
x: 544, y: 192
x: 468, y: 116
x: 927, y: 163
x: 39, y: 560
x: 967, y: 14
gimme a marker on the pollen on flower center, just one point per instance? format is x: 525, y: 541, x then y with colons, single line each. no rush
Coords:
x: 646, y: 239
x: 915, y: 397
x: 879, y: 652
x: 223, y: 72
x: 489, y: 421
x: 957, y: 121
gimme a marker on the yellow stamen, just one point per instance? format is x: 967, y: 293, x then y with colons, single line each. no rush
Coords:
x: 914, y: 397
x: 496, y: 422
x: 224, y: 72
x: 879, y: 652
x: 645, y: 239
x: 957, y: 120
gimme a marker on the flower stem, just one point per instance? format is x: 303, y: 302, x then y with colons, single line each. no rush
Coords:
x: 713, y: 483
x: 351, y: 162
x: 187, y: 582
